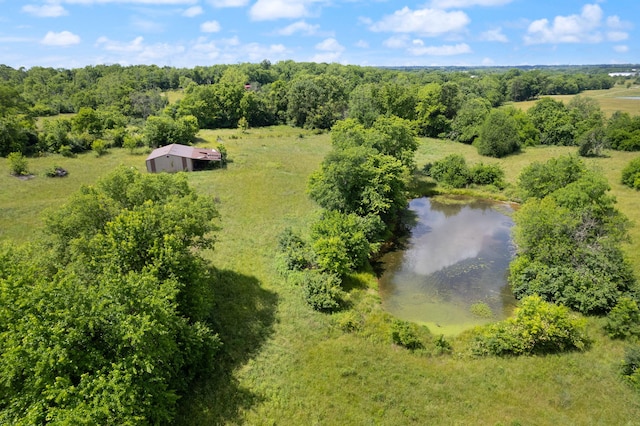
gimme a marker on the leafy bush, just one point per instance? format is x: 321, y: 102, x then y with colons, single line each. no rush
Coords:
x: 340, y: 242
x: 322, y: 291
x: 541, y: 179
x: 99, y: 147
x: 18, y: 164
x: 498, y: 135
x: 65, y: 151
x: 624, y: 319
x: 405, y: 334
x: 630, y: 368
x: 536, y: 327
x: 631, y: 174
x: 481, y: 309
x: 592, y: 142
x: 487, y: 174
x: 293, y: 253
x: 452, y: 170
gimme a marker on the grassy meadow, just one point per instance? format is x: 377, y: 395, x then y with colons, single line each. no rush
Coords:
x: 610, y: 100
x: 283, y: 363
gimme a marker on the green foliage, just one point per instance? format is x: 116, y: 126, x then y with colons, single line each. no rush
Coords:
x: 451, y: 170
x: 322, y: 291
x: 487, y: 174
x: 467, y: 123
x: 592, y: 142
x: 623, y: 321
x: 554, y: 122
x: 162, y: 130
x: 541, y: 179
x: 623, y: 132
x: 498, y: 135
x: 66, y: 151
x: 405, y: 334
x: 569, y: 240
x: 18, y: 164
x: 536, y: 327
x: 630, y: 368
x: 293, y: 253
x: 481, y: 310
x: 631, y: 174
x: 106, y: 321
x: 340, y: 242
x: 99, y: 147
x: 359, y: 180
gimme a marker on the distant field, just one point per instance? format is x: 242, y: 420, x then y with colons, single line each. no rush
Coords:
x: 610, y: 100
x: 283, y: 363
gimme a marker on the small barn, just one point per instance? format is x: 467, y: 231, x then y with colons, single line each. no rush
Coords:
x: 181, y: 158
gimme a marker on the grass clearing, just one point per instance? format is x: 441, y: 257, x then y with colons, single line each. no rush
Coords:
x: 610, y: 100
x: 283, y: 363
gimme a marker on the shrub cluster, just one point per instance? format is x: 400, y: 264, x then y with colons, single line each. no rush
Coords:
x: 536, y: 327
x: 631, y: 174
x: 453, y: 171
x: 630, y: 368
x: 568, y: 235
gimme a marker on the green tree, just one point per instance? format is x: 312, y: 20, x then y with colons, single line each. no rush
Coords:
x: 541, y: 179
x: 340, y: 242
x: 110, y: 326
x: 466, y: 125
x: 631, y: 174
x: 498, y: 135
x: 554, y: 122
x: 359, y: 180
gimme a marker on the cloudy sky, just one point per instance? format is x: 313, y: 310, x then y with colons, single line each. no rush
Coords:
x: 186, y: 33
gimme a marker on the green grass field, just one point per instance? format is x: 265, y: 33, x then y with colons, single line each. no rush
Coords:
x: 283, y: 363
x: 610, y: 100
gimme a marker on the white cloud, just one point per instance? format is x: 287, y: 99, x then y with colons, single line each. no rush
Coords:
x: 45, y: 10
x: 266, y: 10
x: 614, y: 22
x: 210, y: 27
x: 621, y: 48
x: 192, y: 12
x: 494, y: 35
x: 299, y: 27
x: 330, y: 44
x: 617, y: 35
x: 567, y: 29
x: 487, y: 62
x: 63, y: 38
x: 137, y: 51
x: 136, y: 45
x: 228, y: 3
x: 419, y: 49
x: 396, y: 42
x: 362, y: 44
x: 422, y: 21
x: 145, y: 25
x: 153, y: 2
x: 330, y: 51
x: 449, y: 4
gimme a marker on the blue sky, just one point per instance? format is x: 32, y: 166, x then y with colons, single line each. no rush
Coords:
x: 186, y: 33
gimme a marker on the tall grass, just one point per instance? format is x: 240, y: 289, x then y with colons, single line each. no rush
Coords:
x: 282, y: 363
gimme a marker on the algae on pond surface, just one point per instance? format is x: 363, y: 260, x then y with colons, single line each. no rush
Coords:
x: 457, y: 255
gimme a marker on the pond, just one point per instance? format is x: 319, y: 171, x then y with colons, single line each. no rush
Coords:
x: 452, y: 271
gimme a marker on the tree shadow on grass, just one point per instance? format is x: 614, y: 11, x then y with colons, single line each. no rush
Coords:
x: 243, y: 316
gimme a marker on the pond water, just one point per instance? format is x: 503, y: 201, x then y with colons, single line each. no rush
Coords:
x: 453, y: 266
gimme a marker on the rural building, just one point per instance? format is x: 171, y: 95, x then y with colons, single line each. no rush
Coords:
x: 181, y: 158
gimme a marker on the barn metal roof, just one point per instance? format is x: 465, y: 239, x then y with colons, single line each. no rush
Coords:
x: 192, y: 152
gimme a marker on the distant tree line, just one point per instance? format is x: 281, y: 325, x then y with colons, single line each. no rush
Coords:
x: 115, y: 101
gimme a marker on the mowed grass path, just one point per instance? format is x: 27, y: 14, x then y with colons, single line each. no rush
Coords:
x: 292, y: 366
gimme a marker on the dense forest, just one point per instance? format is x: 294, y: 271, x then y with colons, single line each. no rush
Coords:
x: 106, y: 317
x: 128, y: 105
